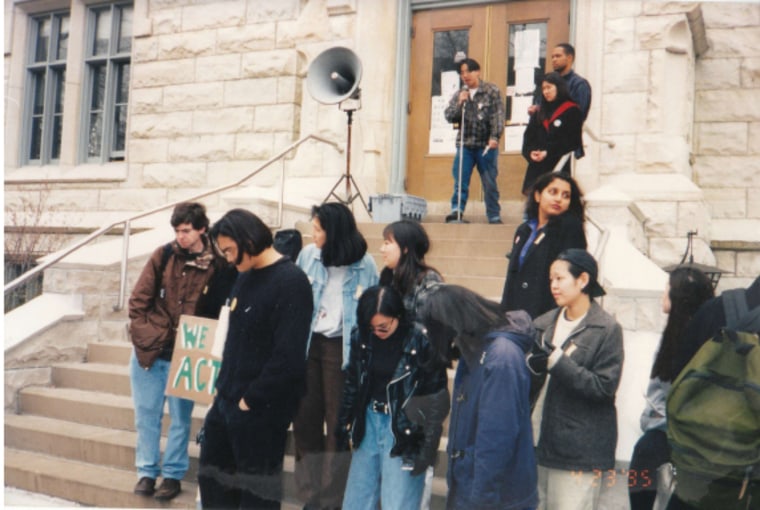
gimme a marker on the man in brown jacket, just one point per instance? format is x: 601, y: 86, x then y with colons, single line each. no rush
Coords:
x: 176, y: 280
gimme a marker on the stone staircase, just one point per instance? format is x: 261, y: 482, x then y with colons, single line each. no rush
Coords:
x: 74, y: 439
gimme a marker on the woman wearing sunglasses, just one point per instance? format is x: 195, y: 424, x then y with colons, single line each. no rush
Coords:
x: 391, y: 366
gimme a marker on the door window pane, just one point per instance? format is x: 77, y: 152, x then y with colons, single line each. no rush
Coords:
x: 525, y: 68
x: 447, y: 46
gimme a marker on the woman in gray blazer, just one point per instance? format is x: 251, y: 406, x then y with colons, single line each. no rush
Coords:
x: 581, y: 350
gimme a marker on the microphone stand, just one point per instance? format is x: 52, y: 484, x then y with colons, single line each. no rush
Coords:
x: 461, y: 162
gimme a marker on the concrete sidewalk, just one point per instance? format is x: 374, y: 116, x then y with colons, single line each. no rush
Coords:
x: 16, y: 498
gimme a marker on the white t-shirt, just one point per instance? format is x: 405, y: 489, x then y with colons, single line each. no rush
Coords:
x: 330, y: 316
x: 562, y: 329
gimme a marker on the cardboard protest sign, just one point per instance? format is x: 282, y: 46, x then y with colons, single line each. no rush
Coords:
x: 194, y: 368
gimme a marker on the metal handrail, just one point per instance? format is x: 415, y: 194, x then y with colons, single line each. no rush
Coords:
x: 127, y: 221
x: 604, y: 236
x: 597, y: 138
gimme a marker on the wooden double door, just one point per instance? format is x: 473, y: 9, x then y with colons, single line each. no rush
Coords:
x: 511, y: 41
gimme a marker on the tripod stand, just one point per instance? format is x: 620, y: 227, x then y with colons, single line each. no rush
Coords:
x: 350, y: 196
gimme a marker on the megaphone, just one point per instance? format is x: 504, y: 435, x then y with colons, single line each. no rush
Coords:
x: 334, y: 76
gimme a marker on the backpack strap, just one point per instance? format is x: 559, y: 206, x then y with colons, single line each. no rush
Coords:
x: 165, y: 258
x: 165, y: 255
x: 738, y: 315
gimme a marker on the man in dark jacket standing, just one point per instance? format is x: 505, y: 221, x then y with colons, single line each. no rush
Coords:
x: 263, y: 369
x: 175, y: 281
x: 563, y: 58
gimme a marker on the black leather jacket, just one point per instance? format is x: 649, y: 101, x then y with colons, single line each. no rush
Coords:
x: 411, y: 379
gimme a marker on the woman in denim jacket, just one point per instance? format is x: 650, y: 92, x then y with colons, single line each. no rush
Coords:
x: 339, y: 269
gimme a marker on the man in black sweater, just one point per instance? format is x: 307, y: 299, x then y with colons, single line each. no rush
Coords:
x: 262, y: 374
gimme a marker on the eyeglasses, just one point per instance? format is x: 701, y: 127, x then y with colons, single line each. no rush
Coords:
x: 382, y: 328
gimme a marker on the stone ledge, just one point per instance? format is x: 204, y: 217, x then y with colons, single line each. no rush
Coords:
x: 110, y: 172
x: 667, y: 187
x: 40, y: 314
x: 736, y: 234
x: 736, y: 245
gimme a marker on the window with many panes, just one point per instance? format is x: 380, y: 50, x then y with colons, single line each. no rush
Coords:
x: 46, y: 77
x: 106, y: 83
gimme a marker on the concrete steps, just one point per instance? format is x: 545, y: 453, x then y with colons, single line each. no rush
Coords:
x: 75, y: 438
x: 84, y: 482
x: 472, y: 255
x: 70, y: 437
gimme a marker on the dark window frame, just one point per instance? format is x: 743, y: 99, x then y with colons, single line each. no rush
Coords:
x: 51, y: 72
x: 110, y: 142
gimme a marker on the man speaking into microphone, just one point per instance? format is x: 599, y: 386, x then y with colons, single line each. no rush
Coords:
x: 479, y: 110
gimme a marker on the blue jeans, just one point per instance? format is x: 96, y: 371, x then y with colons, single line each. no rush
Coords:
x: 487, y: 167
x: 375, y: 475
x: 148, y: 395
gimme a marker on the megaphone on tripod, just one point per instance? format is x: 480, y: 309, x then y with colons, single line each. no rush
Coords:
x: 333, y: 77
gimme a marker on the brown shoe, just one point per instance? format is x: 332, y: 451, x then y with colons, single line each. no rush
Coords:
x: 146, y: 486
x: 168, y: 490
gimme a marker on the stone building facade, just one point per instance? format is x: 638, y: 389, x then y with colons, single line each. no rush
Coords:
x: 217, y: 87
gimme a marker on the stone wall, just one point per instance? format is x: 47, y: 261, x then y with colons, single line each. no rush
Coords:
x: 678, y: 86
x: 218, y: 87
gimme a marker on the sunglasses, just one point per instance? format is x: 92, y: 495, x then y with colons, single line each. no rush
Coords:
x: 382, y: 328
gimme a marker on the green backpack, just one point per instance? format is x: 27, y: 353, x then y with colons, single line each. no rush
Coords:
x: 713, y: 412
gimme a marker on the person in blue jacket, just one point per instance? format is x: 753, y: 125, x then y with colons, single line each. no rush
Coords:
x: 339, y: 270
x: 491, y: 461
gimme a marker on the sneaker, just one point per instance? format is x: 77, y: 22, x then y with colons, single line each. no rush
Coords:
x: 454, y: 216
x: 146, y: 486
x: 495, y: 221
x: 168, y: 490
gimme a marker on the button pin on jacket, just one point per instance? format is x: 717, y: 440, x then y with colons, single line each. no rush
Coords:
x: 233, y: 305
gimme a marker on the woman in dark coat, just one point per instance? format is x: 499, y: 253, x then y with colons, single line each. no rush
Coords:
x: 491, y: 462
x: 555, y: 212
x: 553, y: 131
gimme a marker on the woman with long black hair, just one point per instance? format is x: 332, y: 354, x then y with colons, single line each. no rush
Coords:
x: 405, y: 244
x: 687, y: 289
x: 392, y: 365
x: 554, y: 130
x: 339, y: 270
x: 555, y: 218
